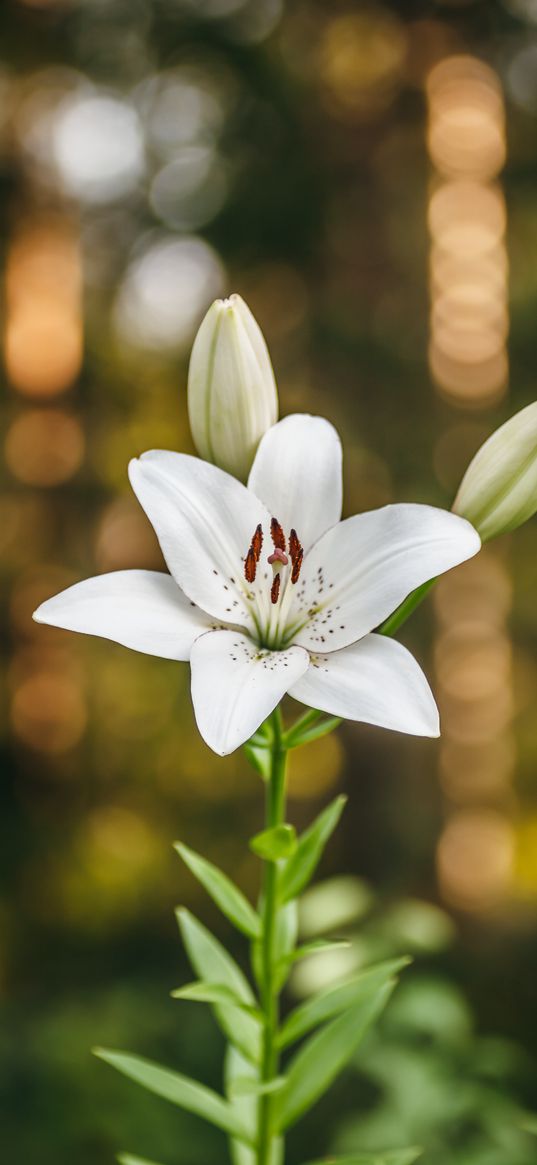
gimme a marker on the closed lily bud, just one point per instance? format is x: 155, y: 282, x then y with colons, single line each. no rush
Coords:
x: 232, y: 396
x: 499, y: 489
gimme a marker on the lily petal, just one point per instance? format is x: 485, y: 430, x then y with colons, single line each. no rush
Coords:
x: 377, y: 681
x: 236, y: 685
x: 297, y: 474
x: 362, y: 569
x: 141, y: 609
x: 204, y: 520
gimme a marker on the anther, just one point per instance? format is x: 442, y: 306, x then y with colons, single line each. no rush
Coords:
x: 277, y: 534
x: 250, y: 565
x: 297, y: 554
x: 254, y: 553
x: 275, y: 588
x: 257, y: 542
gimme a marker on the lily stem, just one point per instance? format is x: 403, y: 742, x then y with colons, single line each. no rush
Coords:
x: 275, y: 815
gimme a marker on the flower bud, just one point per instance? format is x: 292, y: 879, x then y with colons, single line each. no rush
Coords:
x: 499, y: 489
x: 232, y: 396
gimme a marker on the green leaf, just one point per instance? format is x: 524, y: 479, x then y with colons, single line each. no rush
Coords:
x: 336, y: 999
x: 245, y: 1106
x: 128, y: 1159
x: 222, y: 890
x: 213, y: 964
x: 180, y: 1090
x: 299, y: 736
x: 259, y: 757
x: 316, y: 947
x: 273, y: 844
x: 214, y: 993
x: 323, y: 1055
x: 392, y: 1157
x: 311, y: 843
x: 247, y: 1086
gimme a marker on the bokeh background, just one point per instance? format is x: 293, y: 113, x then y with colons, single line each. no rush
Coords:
x: 364, y: 175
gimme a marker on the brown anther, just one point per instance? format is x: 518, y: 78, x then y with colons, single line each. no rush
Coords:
x: 277, y: 534
x: 275, y: 588
x: 250, y: 565
x: 257, y: 542
x: 297, y: 554
x: 297, y: 563
x: 278, y: 556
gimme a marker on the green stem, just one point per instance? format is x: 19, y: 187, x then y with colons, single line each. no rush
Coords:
x: 275, y: 815
x: 400, y: 616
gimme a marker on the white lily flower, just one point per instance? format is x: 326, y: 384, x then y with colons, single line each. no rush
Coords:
x: 269, y: 592
x: 232, y: 395
x: 498, y: 492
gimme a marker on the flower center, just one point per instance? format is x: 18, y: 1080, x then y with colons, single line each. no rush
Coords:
x: 278, y: 559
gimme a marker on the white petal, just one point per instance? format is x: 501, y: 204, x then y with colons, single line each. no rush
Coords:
x: 204, y: 520
x: 376, y: 680
x: 142, y: 609
x: 235, y: 686
x: 362, y: 569
x: 297, y: 474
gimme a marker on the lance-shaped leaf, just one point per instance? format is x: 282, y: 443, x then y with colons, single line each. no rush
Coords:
x: 246, y: 1086
x: 178, y: 1089
x: 334, y: 1000
x: 392, y: 1157
x: 128, y: 1159
x: 259, y: 757
x: 213, y: 964
x: 237, y: 1070
x: 322, y: 1057
x: 245, y: 1106
x: 306, y: 733
x: 222, y: 890
x: 274, y: 844
x: 310, y: 846
x: 214, y: 993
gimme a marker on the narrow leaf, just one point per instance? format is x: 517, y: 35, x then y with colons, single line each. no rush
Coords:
x: 245, y: 1106
x: 336, y: 999
x: 323, y: 1055
x: 392, y: 1157
x: 128, y: 1159
x: 180, y: 1090
x: 222, y: 890
x: 316, y: 947
x: 214, y: 993
x: 259, y: 757
x: 212, y: 963
x: 247, y: 1086
x: 311, y: 843
x: 305, y: 735
x: 274, y: 844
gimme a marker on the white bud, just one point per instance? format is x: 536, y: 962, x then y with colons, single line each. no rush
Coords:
x: 499, y: 489
x: 232, y: 396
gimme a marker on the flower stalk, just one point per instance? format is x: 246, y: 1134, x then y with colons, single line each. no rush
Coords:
x: 274, y: 817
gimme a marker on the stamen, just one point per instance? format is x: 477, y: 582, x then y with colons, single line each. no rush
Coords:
x: 297, y: 563
x: 250, y: 565
x: 277, y: 534
x: 257, y: 542
x: 297, y: 554
x: 275, y: 588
